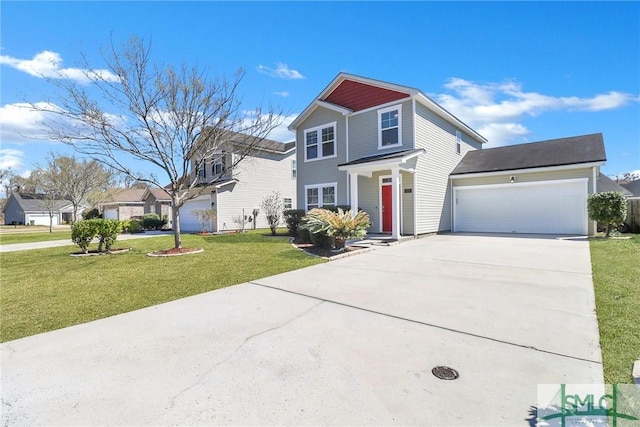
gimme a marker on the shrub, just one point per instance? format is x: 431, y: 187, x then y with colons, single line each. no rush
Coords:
x: 107, y: 231
x: 322, y: 240
x: 340, y: 225
x: 293, y: 217
x: 91, y: 213
x: 608, y: 208
x: 152, y: 221
x: 83, y: 232
x: 272, y: 206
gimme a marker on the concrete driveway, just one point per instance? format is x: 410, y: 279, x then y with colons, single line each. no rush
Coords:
x: 349, y: 342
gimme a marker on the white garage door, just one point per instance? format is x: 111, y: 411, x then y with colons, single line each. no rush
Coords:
x: 188, y: 222
x: 110, y: 213
x: 42, y: 219
x: 553, y: 207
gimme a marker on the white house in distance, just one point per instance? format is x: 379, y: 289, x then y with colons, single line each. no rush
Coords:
x: 415, y: 168
x: 237, y: 193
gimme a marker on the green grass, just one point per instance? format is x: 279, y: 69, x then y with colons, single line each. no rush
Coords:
x: 616, y: 277
x: 7, y: 238
x: 46, y: 289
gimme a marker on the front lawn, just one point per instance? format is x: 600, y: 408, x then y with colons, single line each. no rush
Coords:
x: 616, y: 278
x: 46, y: 289
x: 9, y: 236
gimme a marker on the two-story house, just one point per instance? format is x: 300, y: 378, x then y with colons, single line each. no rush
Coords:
x: 236, y: 193
x: 385, y: 148
x: 415, y: 168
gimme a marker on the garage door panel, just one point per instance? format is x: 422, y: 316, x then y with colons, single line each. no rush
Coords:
x: 556, y: 208
x: 188, y: 221
x: 43, y: 219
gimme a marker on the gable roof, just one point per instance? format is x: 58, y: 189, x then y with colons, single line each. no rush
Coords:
x: 633, y: 187
x: 31, y: 202
x: 349, y: 94
x: 160, y: 194
x: 555, y: 152
x: 604, y: 183
x: 125, y: 195
x: 241, y: 139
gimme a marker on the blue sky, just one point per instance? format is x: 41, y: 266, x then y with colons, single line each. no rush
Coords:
x: 514, y: 71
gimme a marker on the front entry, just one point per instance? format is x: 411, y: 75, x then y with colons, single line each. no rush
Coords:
x: 387, y: 209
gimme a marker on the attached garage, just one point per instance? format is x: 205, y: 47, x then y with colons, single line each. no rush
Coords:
x: 43, y: 219
x: 110, y: 213
x: 550, y: 207
x: 188, y: 221
x: 540, y: 187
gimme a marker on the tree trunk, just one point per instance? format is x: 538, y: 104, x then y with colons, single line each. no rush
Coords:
x: 175, y: 215
x: 608, y: 230
x: 50, y: 223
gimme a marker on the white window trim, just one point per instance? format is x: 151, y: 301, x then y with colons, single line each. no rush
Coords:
x: 290, y: 199
x: 380, y: 113
x: 320, y: 187
x: 458, y: 142
x: 294, y: 169
x: 319, y: 130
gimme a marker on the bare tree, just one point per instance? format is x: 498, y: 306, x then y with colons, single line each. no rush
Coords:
x: 47, y: 193
x: 77, y: 180
x: 171, y: 119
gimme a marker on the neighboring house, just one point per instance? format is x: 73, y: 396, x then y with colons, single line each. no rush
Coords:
x: 415, y: 168
x: 158, y: 201
x: 33, y: 209
x: 237, y: 193
x: 123, y: 203
x: 604, y: 183
x: 633, y: 187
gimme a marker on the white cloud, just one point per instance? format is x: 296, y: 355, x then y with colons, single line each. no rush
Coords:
x: 281, y: 133
x: 282, y: 71
x: 20, y: 123
x: 47, y: 64
x: 11, y: 159
x: 283, y: 94
x: 495, y: 109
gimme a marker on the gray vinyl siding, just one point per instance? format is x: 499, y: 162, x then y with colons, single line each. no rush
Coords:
x: 13, y: 212
x: 407, y: 204
x: 363, y: 133
x: 433, y: 192
x: 324, y: 170
x: 257, y: 177
x: 504, y: 177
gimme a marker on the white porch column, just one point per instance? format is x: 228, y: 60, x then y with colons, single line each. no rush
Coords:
x: 353, y: 192
x: 395, y: 202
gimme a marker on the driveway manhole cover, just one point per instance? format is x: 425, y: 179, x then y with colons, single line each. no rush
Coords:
x: 445, y: 373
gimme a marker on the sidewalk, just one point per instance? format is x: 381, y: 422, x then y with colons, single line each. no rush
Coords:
x: 56, y: 243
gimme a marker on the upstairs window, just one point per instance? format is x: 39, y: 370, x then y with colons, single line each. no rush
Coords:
x: 294, y: 169
x: 219, y: 165
x: 389, y: 132
x: 320, y: 142
x: 458, y: 142
x: 202, y: 171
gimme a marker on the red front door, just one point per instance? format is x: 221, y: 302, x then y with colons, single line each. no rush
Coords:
x: 387, y: 211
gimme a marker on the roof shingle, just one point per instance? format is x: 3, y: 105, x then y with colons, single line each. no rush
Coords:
x: 554, y: 152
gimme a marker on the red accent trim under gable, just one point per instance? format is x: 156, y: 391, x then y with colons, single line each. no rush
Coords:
x: 358, y: 96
